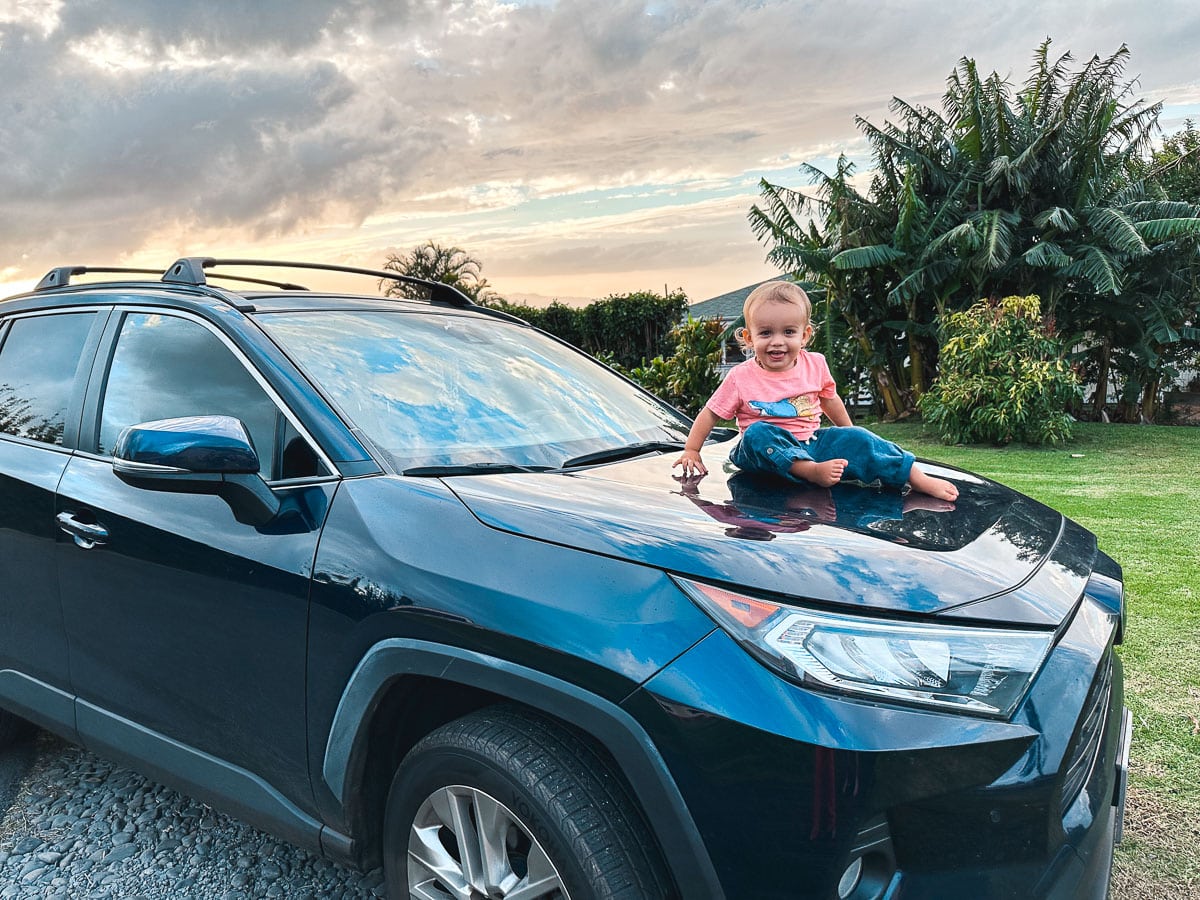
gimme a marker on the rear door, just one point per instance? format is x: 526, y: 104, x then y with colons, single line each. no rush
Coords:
x: 188, y: 628
x: 44, y: 362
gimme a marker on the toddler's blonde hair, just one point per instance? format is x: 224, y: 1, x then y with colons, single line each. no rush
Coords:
x: 772, y: 292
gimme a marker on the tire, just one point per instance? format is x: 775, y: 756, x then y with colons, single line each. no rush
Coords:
x: 543, y: 802
x: 12, y: 729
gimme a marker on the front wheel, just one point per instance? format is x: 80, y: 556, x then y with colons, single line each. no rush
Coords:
x: 506, y: 805
x: 12, y: 728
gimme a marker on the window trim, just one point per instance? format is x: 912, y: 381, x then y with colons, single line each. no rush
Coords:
x: 89, y: 427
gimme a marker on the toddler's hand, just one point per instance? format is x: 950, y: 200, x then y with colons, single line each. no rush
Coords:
x: 691, y: 462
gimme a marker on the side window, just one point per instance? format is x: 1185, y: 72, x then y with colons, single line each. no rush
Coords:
x: 37, y: 374
x: 166, y: 366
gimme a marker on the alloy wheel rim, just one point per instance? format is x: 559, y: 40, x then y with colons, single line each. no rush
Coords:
x: 465, y: 844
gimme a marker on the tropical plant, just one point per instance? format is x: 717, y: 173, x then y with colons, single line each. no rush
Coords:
x: 1175, y: 166
x: 853, y: 295
x: 433, y: 262
x: 1003, y: 378
x: 631, y: 328
x: 688, y: 377
x: 1165, y: 341
x: 1029, y: 190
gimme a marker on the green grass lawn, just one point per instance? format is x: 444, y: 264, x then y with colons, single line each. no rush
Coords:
x: 1138, y: 489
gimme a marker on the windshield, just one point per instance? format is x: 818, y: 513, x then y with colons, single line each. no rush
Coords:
x: 445, y: 389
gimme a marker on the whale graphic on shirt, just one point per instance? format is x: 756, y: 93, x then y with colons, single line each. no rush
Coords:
x: 782, y: 409
x: 804, y: 406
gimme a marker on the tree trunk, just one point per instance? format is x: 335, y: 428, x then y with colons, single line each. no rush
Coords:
x: 887, y: 392
x: 1101, y: 395
x: 1150, y: 402
x: 883, y: 379
x: 916, y: 356
x: 916, y: 365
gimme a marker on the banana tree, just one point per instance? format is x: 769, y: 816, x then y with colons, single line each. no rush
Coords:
x: 787, y: 219
x: 1030, y: 190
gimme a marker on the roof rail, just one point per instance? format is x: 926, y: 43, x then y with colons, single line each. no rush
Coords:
x: 190, y: 270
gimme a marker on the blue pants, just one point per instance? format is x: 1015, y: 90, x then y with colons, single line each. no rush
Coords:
x: 768, y: 448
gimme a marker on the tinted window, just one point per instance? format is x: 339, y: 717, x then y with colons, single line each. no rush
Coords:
x: 165, y: 367
x: 450, y: 389
x: 37, y: 372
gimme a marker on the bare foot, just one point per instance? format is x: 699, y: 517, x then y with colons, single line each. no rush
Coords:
x: 934, y: 487
x: 825, y: 474
x: 916, y: 500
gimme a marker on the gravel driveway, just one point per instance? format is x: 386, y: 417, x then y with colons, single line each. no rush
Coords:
x: 82, y: 827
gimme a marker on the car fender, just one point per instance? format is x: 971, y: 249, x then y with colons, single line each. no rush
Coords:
x: 603, y: 720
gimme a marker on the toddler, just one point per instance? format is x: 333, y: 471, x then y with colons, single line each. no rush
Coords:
x: 778, y: 396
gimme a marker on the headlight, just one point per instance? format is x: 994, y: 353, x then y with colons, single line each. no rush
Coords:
x: 985, y: 671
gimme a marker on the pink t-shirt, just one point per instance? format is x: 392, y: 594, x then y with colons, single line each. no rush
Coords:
x: 790, y: 399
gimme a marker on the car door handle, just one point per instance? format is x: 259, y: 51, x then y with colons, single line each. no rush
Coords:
x: 86, y: 535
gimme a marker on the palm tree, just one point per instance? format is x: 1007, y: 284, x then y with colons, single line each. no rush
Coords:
x: 433, y: 262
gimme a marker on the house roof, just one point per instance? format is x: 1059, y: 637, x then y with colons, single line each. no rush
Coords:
x: 725, y: 306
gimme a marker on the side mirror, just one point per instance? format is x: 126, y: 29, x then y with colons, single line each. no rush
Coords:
x: 197, y: 455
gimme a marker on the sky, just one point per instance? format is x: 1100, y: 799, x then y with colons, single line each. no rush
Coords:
x: 575, y: 148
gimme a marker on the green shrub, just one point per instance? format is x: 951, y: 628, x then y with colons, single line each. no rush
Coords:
x: 1002, y: 378
x: 691, y: 373
x: 628, y: 327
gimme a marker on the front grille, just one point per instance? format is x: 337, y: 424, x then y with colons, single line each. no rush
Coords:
x: 1089, y: 736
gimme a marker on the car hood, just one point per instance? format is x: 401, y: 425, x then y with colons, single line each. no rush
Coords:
x: 993, y: 554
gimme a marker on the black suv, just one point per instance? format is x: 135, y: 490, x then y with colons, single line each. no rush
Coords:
x: 410, y: 582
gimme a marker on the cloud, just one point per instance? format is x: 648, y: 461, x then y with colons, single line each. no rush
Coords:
x: 126, y: 122
x: 227, y: 27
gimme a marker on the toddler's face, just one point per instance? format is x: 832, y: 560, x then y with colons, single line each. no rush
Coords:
x: 777, y: 332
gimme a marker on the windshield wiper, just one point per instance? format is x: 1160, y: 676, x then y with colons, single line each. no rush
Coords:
x: 626, y: 451
x: 480, y: 468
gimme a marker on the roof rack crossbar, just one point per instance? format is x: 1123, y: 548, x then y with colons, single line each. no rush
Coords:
x: 190, y: 270
x: 61, y: 276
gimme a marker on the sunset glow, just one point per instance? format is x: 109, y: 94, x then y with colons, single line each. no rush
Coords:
x: 576, y: 149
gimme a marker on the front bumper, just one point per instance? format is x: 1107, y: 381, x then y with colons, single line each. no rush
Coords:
x: 789, y: 786
x: 1081, y: 868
